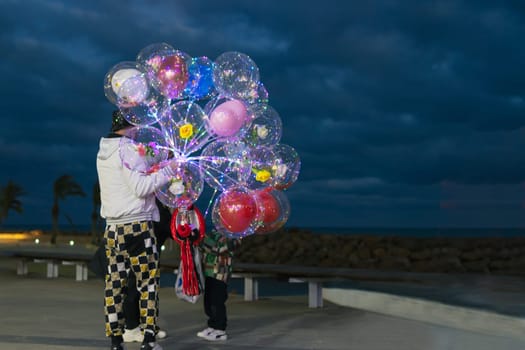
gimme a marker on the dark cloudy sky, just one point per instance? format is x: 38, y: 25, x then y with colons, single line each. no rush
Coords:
x: 404, y: 113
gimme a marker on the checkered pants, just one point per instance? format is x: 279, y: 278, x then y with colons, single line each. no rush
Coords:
x: 131, y: 247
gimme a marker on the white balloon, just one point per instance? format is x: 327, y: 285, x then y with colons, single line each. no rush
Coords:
x: 121, y: 76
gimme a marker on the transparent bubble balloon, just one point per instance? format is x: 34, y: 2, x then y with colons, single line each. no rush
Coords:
x: 260, y: 96
x: 234, y: 73
x: 227, y: 118
x: 275, y: 209
x: 235, y: 213
x: 255, y: 93
x: 172, y: 76
x: 184, y: 188
x: 192, y: 217
x: 147, y: 112
x: 149, y: 55
x: 265, y: 129
x: 286, y: 167
x: 165, y: 121
x: 185, y: 126
x: 225, y: 164
x: 200, y: 81
x: 126, y: 84
x: 167, y: 69
x: 144, y: 149
x: 262, y: 168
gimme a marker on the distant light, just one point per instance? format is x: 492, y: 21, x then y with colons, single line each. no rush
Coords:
x: 37, y: 241
x: 71, y: 242
x: 16, y: 236
x: 163, y: 247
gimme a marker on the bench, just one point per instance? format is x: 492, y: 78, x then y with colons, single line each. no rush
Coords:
x: 53, y: 259
x: 315, y: 290
x: 251, y: 284
x: 250, y: 272
x: 251, y: 287
x: 314, y: 276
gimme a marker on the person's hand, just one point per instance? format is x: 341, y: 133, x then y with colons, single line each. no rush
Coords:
x: 174, y: 164
x: 194, y: 235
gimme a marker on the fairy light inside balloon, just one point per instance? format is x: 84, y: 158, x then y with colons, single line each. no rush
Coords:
x: 214, y: 119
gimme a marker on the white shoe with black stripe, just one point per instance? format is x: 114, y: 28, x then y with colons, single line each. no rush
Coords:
x: 213, y: 334
x: 205, y: 332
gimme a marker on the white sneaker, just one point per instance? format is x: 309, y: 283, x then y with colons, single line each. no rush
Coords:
x: 118, y: 347
x: 205, y: 332
x: 136, y: 335
x: 133, y: 335
x: 215, y: 335
x: 161, y: 334
x: 151, y: 346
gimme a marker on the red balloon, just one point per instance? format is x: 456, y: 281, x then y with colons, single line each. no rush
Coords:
x: 172, y: 76
x: 237, y: 210
x: 270, y: 205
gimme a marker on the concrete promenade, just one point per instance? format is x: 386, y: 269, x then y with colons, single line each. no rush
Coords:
x: 61, y: 313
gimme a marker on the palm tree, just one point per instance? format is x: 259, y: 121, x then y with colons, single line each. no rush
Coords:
x: 95, y: 215
x: 9, y: 199
x: 64, y: 186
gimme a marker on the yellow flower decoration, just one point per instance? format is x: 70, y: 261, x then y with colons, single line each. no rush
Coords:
x: 262, y: 175
x: 186, y: 131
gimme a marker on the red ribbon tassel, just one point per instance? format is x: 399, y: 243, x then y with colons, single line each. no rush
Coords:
x: 186, y: 237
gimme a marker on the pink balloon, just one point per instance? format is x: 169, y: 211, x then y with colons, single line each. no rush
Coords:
x: 227, y: 118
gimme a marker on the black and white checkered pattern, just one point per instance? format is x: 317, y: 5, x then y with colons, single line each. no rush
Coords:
x: 131, y: 247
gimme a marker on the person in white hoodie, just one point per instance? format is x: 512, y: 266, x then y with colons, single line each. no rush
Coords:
x: 129, y: 208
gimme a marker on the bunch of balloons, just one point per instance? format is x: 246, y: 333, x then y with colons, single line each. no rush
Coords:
x: 213, y: 117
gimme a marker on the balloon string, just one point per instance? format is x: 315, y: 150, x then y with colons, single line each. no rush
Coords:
x: 209, y: 203
x: 223, y: 176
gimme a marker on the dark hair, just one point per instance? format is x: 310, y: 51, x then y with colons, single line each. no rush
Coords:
x: 118, y: 121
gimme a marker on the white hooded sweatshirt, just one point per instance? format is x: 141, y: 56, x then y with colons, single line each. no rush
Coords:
x: 126, y: 195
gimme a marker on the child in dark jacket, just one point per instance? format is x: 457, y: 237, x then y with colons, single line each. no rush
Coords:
x: 218, y: 251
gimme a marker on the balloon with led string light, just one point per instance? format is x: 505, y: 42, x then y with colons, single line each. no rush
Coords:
x: 214, y: 119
